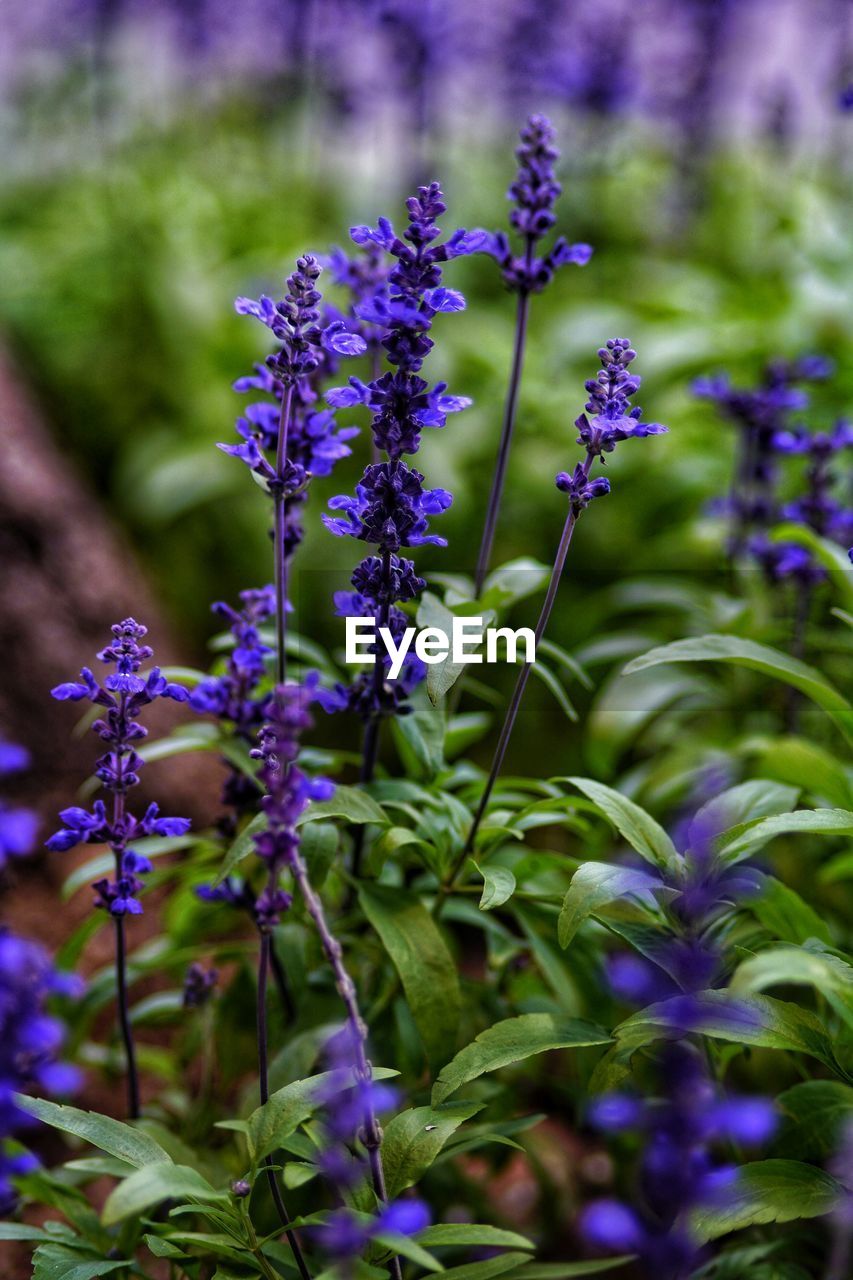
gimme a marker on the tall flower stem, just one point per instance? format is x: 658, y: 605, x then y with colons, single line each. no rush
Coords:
x: 370, y: 747
x: 133, y: 1107
x: 517, y: 696
x: 507, y: 428
x: 279, y: 523
x: 372, y: 1132
x: 263, y: 1081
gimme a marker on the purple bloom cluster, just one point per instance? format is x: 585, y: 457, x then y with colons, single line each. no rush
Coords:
x: 18, y: 827
x: 608, y: 420
x: 30, y: 1040
x: 534, y: 193
x: 123, y: 695
x: 391, y: 507
x: 817, y: 508
x: 199, y: 985
x: 679, y: 1169
x: 762, y: 418
x: 288, y: 793
x: 347, y: 1097
x: 302, y: 438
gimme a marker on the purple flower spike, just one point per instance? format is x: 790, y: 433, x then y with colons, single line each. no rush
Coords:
x: 534, y: 194
x: 124, y: 694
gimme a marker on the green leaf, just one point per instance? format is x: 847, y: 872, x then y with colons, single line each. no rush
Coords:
x: 498, y: 886
x: 786, y: 965
x: 423, y: 962
x: 768, y: 1191
x: 287, y: 1108
x: 351, y: 803
x: 746, y: 840
x: 420, y: 738
x: 408, y: 1248
x: 59, y: 1262
x: 596, y: 883
x: 109, y: 1135
x: 546, y: 675
x: 758, y: 798
x: 833, y: 557
x: 514, y: 581
x: 785, y: 914
x: 472, y: 1235
x: 568, y: 1270
x: 756, y: 657
x: 152, y: 1185
x: 487, y: 1269
x: 21, y: 1231
x: 807, y: 766
x: 815, y: 1116
x: 638, y: 827
x: 414, y: 1138
x: 761, y: 1021
x: 347, y: 802
x: 510, y: 1041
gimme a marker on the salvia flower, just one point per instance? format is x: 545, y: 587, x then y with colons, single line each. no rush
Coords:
x: 681, y: 1169
x: 18, y: 827
x: 199, y: 985
x: 288, y: 793
x: 123, y: 694
x: 391, y: 507
x: 762, y: 417
x: 534, y: 194
x: 347, y: 1096
x: 30, y: 1044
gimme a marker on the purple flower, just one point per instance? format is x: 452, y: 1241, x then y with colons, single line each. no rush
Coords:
x: 289, y: 791
x: 123, y: 695
x: 30, y: 1040
x: 680, y: 1170
x: 199, y: 985
x: 534, y: 193
x: 609, y: 403
x: 18, y: 827
x: 390, y: 508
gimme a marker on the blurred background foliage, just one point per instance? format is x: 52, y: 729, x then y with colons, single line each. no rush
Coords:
x: 125, y: 235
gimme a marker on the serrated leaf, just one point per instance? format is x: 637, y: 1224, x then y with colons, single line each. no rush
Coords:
x: 511, y: 1041
x: 756, y: 657
x: 423, y: 962
x: 595, y: 884
x: 768, y: 1191
x: 414, y: 1138
x: 638, y: 827
x: 113, y: 1136
x: 152, y: 1185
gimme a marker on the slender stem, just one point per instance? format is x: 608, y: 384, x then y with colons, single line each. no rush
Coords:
x: 370, y: 748
x: 375, y: 374
x: 133, y: 1107
x: 372, y: 1132
x: 515, y: 703
x: 263, y: 1081
x: 279, y: 526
